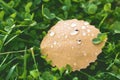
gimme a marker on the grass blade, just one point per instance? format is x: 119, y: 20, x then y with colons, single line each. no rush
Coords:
x: 11, y: 72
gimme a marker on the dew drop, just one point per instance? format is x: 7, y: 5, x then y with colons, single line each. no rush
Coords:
x: 51, y: 46
x: 96, y: 53
x: 86, y: 23
x: 83, y: 27
x: 84, y: 54
x: 88, y: 30
x: 76, y: 30
x: 74, y: 64
x: 55, y: 43
x: 73, y: 24
x: 66, y: 36
x: 79, y: 41
x: 84, y: 34
x: 72, y: 47
x: 74, y: 33
x: 66, y: 24
x: 52, y: 33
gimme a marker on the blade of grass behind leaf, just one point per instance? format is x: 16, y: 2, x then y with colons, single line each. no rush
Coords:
x: 33, y: 56
x: 6, y: 64
x: 11, y: 72
x: 89, y: 76
x: 24, y: 74
x: 5, y: 37
x: 4, y: 60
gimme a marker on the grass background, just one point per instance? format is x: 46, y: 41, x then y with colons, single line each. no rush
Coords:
x: 24, y: 23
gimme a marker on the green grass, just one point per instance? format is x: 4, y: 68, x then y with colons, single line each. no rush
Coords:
x: 24, y: 23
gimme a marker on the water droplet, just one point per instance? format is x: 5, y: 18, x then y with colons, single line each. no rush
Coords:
x: 88, y: 30
x: 79, y: 41
x: 86, y: 23
x: 66, y: 36
x: 84, y: 54
x: 83, y: 27
x: 96, y: 53
x: 76, y: 30
x: 52, y: 33
x: 66, y: 23
x: 73, y: 24
x: 72, y: 47
x: 84, y: 34
x: 55, y: 43
x: 74, y: 33
x: 51, y: 46
x: 74, y: 64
